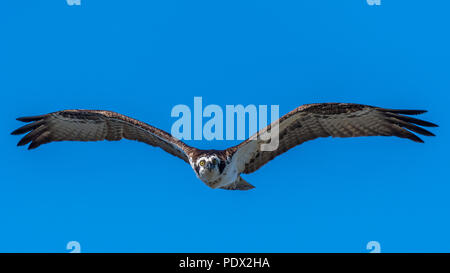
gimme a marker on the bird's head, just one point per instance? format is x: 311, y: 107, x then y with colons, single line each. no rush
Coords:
x: 208, y: 167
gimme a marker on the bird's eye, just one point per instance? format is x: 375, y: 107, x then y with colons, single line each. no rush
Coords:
x: 202, y: 163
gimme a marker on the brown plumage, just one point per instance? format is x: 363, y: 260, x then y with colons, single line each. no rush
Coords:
x: 95, y: 125
x: 312, y: 121
x: 304, y: 123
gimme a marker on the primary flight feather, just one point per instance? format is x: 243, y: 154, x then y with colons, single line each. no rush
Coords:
x: 222, y: 168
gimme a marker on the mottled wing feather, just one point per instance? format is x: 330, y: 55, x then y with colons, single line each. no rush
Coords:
x: 312, y: 121
x: 96, y: 125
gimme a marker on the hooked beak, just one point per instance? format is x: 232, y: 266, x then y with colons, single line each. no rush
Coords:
x: 210, y: 166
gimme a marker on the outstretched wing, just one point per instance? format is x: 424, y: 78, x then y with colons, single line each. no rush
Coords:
x: 311, y: 121
x: 95, y: 125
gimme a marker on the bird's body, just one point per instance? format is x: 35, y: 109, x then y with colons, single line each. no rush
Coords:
x: 223, y: 168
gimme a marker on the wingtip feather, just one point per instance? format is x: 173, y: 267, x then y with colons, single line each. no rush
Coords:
x: 30, y: 118
x: 33, y: 145
x: 404, y: 111
x: 14, y: 133
x: 414, y: 137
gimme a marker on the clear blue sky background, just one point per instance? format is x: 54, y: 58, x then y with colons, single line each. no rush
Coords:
x: 141, y: 58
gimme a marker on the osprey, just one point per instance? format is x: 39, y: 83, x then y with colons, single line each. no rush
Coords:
x: 223, y: 168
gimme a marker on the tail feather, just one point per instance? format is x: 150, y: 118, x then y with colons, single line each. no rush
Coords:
x: 239, y: 184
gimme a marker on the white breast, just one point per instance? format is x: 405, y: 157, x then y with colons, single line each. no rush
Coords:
x: 230, y: 174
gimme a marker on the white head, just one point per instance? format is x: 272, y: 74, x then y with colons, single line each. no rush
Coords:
x: 208, y: 167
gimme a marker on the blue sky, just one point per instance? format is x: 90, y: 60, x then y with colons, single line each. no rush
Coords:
x: 141, y: 58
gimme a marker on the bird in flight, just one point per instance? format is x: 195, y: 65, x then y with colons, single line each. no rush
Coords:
x: 223, y: 168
